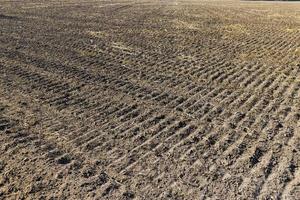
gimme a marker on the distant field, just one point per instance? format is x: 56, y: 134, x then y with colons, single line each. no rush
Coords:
x: 149, y: 100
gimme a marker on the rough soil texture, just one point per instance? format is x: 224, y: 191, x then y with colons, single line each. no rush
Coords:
x: 149, y: 100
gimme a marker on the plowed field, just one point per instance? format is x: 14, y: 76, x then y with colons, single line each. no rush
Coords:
x: 149, y: 99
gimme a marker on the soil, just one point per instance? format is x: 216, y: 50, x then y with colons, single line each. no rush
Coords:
x: 149, y: 99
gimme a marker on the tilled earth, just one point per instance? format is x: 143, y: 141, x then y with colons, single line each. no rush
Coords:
x: 149, y: 100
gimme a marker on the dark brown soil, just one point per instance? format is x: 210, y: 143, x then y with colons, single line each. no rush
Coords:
x: 149, y: 100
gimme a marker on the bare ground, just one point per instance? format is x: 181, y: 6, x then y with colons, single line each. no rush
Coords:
x: 149, y: 100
